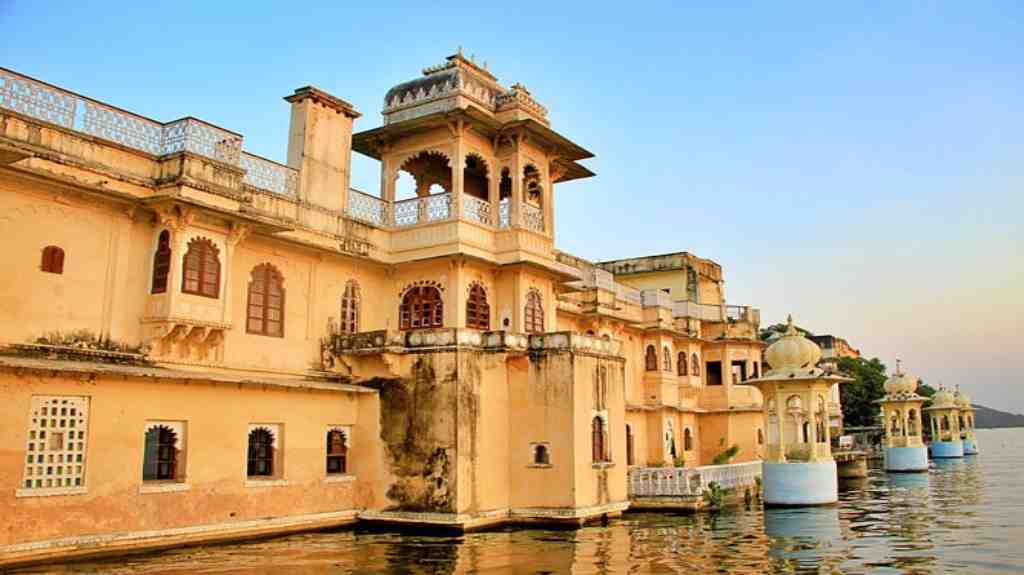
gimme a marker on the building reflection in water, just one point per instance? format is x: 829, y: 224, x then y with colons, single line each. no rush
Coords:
x: 806, y: 538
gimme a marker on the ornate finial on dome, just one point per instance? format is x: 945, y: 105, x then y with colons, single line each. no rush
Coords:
x: 899, y: 369
x: 790, y: 328
x: 791, y: 352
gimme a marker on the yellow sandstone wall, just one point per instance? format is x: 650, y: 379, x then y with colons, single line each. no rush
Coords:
x: 216, y: 428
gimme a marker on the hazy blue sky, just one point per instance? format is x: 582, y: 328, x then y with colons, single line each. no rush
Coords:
x: 860, y: 167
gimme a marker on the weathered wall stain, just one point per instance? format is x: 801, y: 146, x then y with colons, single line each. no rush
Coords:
x: 417, y: 427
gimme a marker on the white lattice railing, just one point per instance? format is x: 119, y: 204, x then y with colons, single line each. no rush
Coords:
x: 533, y: 217
x: 476, y: 210
x: 69, y: 110
x: 419, y: 210
x: 504, y: 214
x: 367, y: 208
x: 690, y: 482
x: 271, y: 176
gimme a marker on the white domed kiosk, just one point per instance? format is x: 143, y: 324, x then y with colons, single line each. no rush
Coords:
x: 970, y: 440
x: 799, y: 469
x: 901, y: 416
x: 945, y: 418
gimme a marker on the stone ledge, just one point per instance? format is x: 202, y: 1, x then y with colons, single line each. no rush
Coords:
x: 49, y: 491
x: 118, y: 543
x: 163, y: 487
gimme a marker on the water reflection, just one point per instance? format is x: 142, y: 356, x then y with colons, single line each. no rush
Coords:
x: 961, y: 516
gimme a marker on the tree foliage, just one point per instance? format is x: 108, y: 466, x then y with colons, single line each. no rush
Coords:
x: 858, y: 396
x: 779, y: 329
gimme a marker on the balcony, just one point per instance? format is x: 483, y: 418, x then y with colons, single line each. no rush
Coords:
x: 70, y: 111
x: 438, y: 208
x: 690, y: 482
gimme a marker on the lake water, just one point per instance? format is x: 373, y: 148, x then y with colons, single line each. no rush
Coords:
x: 964, y: 516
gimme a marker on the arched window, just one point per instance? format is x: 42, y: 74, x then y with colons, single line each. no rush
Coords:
x: 421, y: 307
x: 350, y: 307
x: 629, y: 445
x: 807, y: 432
x: 160, y: 458
x: 53, y: 260
x: 651, y: 359
x: 201, y: 273
x: 161, y: 263
x: 261, y: 453
x: 478, y: 312
x: 541, y: 456
x: 681, y: 363
x: 337, y: 451
x: 911, y: 422
x: 945, y: 423
x: 598, y: 440
x: 475, y: 178
x: 694, y: 365
x: 687, y: 440
x: 534, y: 312
x: 533, y: 191
x: 666, y: 359
x: 266, y: 302
x: 760, y: 437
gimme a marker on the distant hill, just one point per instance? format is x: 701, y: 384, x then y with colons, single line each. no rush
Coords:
x: 987, y: 418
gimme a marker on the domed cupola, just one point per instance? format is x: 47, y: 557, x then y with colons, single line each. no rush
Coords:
x: 901, y: 386
x: 963, y: 401
x: 793, y: 355
x: 943, y: 399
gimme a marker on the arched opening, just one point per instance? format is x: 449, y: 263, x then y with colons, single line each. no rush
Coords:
x: 651, y: 359
x: 504, y: 197
x: 475, y: 178
x: 687, y: 440
x: 52, y: 260
x: 694, y: 365
x: 911, y: 422
x: 541, y: 455
x: 423, y: 199
x: 807, y: 432
x: 666, y: 359
x: 533, y: 191
x: 760, y: 437
x: 597, y: 439
x: 421, y: 307
x: 478, y: 312
x: 681, y: 363
x: 161, y: 263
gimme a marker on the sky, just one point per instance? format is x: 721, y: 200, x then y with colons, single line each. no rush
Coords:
x: 859, y: 166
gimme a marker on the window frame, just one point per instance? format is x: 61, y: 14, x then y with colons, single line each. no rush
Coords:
x: 262, y: 452
x: 167, y: 452
x: 533, y: 312
x: 52, y: 260
x: 478, y: 310
x: 208, y: 255
x: 418, y: 311
x: 350, y: 308
x: 162, y: 258
x: 651, y: 358
x: 339, y: 456
x: 681, y: 364
x: 267, y: 275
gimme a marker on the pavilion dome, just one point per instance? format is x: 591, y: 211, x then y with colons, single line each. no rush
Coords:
x: 792, y: 352
x: 943, y: 399
x: 963, y: 400
x: 900, y: 383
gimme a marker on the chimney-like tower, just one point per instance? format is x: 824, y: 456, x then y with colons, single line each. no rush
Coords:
x: 320, y: 146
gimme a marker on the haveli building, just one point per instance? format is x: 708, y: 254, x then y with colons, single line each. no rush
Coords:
x: 203, y: 344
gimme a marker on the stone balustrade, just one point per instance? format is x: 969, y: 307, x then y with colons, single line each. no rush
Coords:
x: 400, y: 341
x: 690, y: 481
